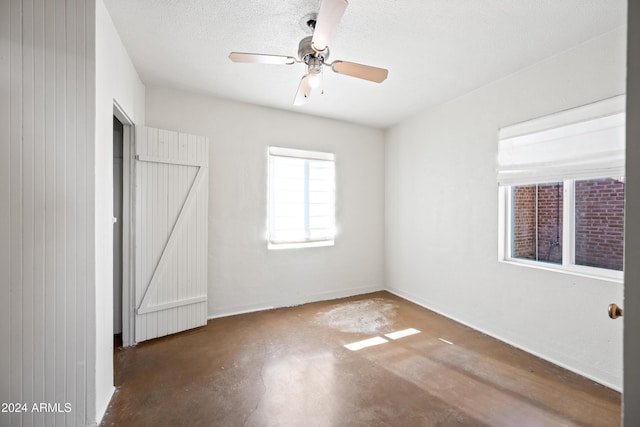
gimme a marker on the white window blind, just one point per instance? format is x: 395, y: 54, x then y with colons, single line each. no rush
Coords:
x: 584, y: 142
x: 301, y: 196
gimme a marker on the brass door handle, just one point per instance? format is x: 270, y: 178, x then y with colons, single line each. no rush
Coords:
x: 614, y: 311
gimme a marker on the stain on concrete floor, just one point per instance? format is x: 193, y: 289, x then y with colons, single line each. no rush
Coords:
x: 366, y: 317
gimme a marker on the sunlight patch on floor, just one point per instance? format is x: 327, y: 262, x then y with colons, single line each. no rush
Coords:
x: 355, y: 346
x: 401, y: 334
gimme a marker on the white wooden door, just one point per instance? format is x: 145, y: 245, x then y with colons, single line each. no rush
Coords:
x: 631, y: 303
x: 170, y: 232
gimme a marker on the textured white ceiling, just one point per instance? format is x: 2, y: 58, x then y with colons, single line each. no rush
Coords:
x: 435, y: 50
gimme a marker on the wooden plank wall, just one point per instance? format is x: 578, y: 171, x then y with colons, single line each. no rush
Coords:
x: 47, y: 67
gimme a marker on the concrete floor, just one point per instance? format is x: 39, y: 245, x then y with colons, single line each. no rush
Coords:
x: 289, y: 367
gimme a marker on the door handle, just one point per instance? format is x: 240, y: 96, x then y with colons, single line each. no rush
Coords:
x: 614, y: 311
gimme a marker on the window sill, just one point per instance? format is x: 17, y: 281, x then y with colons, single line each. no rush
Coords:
x: 574, y: 270
x: 299, y: 245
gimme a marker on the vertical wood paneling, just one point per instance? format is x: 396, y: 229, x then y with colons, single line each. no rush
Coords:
x: 47, y: 72
x: 203, y: 211
x: 171, y: 203
x: 138, y: 207
x: 182, y: 252
x: 60, y: 209
x: 50, y: 145
x: 171, y: 200
x: 39, y: 223
x: 72, y: 206
x: 5, y: 205
x: 28, y: 157
x: 155, y: 238
x: 16, y: 365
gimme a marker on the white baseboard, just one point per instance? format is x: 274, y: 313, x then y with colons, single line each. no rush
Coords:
x: 100, y: 412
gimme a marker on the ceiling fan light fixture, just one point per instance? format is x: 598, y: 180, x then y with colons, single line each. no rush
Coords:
x: 314, y: 80
x: 314, y: 72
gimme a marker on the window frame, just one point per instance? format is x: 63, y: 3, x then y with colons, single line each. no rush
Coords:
x: 505, y: 236
x: 306, y: 155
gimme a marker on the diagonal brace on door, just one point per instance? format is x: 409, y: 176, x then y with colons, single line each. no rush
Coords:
x: 145, y: 306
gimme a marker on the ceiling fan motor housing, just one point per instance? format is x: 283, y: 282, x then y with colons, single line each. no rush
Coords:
x: 306, y: 51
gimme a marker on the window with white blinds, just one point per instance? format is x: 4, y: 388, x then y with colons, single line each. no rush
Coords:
x: 301, y: 198
x: 583, y: 142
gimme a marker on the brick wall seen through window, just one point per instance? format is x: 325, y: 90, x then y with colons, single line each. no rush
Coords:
x: 537, y: 222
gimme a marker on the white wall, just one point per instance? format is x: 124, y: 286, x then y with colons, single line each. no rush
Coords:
x: 442, y: 216
x: 116, y: 81
x: 243, y: 275
x: 47, y: 80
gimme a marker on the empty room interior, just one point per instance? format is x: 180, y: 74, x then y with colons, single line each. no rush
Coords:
x: 319, y: 213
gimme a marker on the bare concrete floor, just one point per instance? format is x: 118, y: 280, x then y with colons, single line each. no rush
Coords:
x: 289, y: 367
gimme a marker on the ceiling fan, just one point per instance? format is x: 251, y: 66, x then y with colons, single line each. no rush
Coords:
x: 313, y: 51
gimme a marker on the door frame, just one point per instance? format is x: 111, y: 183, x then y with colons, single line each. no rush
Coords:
x: 128, y: 229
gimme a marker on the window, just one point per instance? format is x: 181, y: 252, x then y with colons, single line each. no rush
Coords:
x: 301, y: 198
x: 599, y: 222
x: 561, y: 184
x: 536, y: 222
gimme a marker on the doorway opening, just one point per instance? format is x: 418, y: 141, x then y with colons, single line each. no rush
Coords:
x: 117, y: 230
x: 123, y: 153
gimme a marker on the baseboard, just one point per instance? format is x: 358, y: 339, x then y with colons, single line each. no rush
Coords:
x: 422, y: 303
x: 291, y: 302
x: 100, y: 412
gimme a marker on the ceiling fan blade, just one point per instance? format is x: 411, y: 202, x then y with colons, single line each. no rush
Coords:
x: 329, y: 16
x: 360, y: 71
x: 304, y: 90
x: 259, y: 58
